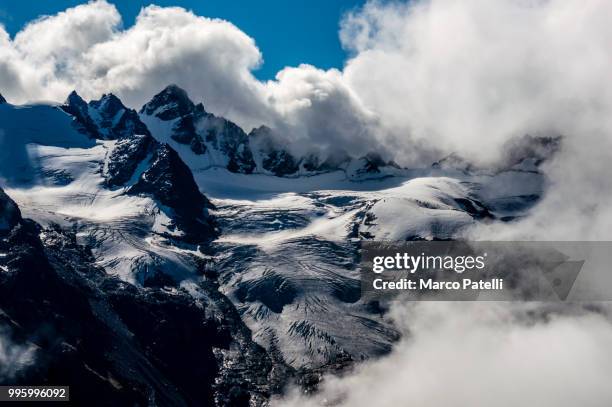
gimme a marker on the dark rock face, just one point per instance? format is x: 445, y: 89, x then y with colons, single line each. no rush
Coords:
x: 197, y: 145
x: 126, y: 345
x: 171, y: 183
x: 184, y: 130
x: 474, y: 208
x: 169, y: 104
x: 52, y: 313
x: 274, y: 159
x: 2, y: 99
x: 334, y: 161
x: 453, y: 162
x: 127, y: 154
x: 200, y: 130
x: 538, y: 149
x: 231, y: 140
x: 78, y: 108
x: 373, y: 162
x: 104, y: 119
x: 10, y: 215
x: 129, y: 124
x: 280, y: 163
x: 368, y: 165
x: 311, y: 163
x: 108, y: 106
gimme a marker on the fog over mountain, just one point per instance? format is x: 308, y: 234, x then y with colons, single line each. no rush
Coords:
x: 484, y: 354
x: 458, y: 76
x: 508, y: 99
x: 425, y: 78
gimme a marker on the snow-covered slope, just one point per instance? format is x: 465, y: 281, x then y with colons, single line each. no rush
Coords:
x: 21, y: 126
x: 122, y: 196
x: 288, y: 253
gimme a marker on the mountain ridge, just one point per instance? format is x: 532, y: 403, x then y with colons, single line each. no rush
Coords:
x: 216, y: 141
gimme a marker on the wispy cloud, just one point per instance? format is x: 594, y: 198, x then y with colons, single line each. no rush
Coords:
x: 13, y: 357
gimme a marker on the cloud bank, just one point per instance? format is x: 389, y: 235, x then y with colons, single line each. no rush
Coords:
x: 480, y: 355
x: 85, y: 48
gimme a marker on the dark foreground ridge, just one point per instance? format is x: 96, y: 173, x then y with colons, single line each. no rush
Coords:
x: 115, y: 343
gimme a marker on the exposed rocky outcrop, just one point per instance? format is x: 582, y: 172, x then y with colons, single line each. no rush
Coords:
x: 169, y: 104
x: 125, y: 157
x: 169, y: 181
x: 272, y: 158
x: 104, y: 119
x: 224, y: 141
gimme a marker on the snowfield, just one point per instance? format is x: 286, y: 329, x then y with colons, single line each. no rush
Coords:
x: 287, y: 256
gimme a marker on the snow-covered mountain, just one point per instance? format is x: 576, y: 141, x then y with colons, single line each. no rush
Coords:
x: 202, y: 139
x: 128, y: 197
x: 104, y: 119
x: 175, y: 233
x: 206, y: 141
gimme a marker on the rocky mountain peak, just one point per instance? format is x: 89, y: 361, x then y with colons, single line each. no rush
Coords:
x: 108, y: 106
x: 105, y: 119
x: 261, y: 131
x: 220, y: 141
x: 78, y: 108
x: 2, y: 99
x: 171, y: 103
x: 75, y: 105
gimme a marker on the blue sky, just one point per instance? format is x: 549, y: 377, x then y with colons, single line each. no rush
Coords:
x: 287, y: 32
